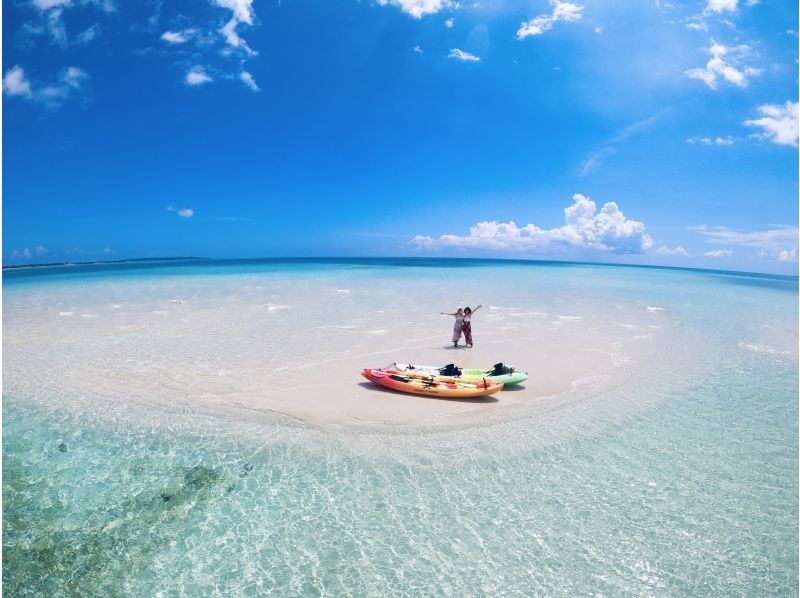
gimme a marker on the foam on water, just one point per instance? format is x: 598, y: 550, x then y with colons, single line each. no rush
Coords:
x: 123, y: 473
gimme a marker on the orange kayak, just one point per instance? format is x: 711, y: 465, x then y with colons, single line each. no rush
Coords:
x: 438, y: 386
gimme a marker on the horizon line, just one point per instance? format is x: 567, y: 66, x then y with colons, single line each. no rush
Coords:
x: 54, y: 265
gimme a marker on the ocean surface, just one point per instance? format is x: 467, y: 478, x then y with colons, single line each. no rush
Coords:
x: 124, y: 473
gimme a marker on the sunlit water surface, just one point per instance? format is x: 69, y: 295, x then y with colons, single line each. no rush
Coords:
x: 681, y: 481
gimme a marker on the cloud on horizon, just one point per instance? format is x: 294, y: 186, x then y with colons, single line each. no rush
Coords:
x: 606, y: 230
x: 780, y: 243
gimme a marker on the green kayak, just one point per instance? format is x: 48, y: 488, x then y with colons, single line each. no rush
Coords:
x: 499, y: 373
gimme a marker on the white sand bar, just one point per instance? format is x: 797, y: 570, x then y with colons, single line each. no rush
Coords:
x: 224, y: 345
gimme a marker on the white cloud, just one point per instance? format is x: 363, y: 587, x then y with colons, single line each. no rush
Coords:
x: 609, y: 148
x: 788, y: 255
x: 417, y: 49
x: 17, y: 254
x: 184, y: 212
x: 242, y: 13
x: 418, y: 8
x: 562, y: 11
x: 71, y: 79
x: 48, y: 4
x: 51, y: 21
x: 15, y: 83
x: 449, y: 23
x: 586, y: 227
x: 719, y: 6
x: 248, y: 80
x: 174, y: 37
x: 775, y: 242
x: 107, y: 249
x: 462, y: 55
x: 197, y: 76
x: 719, y: 253
x: 711, y: 141
x: 779, y: 123
x: 677, y: 252
x: 697, y: 26
x: 725, y: 64
x: 87, y: 35
x: 41, y: 249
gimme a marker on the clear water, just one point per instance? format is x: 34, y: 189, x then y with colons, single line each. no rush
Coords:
x: 683, y: 480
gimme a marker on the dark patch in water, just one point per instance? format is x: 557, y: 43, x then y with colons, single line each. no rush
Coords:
x: 201, y: 477
x: 63, y: 447
x: 115, y: 542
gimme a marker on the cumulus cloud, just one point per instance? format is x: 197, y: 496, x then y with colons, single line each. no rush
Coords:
x: 776, y: 242
x: 462, y: 55
x: 197, y: 76
x: 449, y: 23
x: 725, y: 64
x: 787, y: 255
x: 417, y: 49
x: 70, y: 80
x: 418, y: 8
x: 677, y: 252
x: 719, y: 253
x: 183, y: 212
x: 585, y: 227
x: 562, y: 11
x: 779, y: 123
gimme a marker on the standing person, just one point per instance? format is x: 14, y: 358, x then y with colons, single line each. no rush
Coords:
x: 466, y: 324
x: 458, y: 327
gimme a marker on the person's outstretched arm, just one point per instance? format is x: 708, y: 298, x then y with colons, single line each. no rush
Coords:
x: 444, y: 313
x: 477, y: 308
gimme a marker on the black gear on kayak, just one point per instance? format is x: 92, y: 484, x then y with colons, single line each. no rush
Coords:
x: 500, y: 369
x: 450, y: 370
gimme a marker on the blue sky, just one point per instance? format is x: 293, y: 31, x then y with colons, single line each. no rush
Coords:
x: 631, y: 132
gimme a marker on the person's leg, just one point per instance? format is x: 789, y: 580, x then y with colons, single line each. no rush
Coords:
x: 468, y: 333
x: 456, y: 334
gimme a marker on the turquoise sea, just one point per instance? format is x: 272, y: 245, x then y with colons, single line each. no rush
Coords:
x: 679, y: 480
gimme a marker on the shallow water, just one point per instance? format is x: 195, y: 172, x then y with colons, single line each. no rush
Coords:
x: 682, y: 479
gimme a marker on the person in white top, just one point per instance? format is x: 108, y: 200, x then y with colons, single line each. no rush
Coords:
x: 466, y: 324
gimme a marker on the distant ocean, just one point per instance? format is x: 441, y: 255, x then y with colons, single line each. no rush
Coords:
x: 123, y: 474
